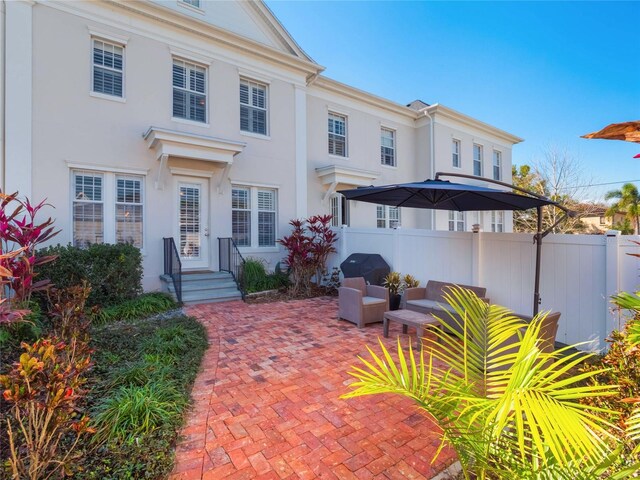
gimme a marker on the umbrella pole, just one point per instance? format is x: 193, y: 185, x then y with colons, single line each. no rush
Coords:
x: 538, y: 240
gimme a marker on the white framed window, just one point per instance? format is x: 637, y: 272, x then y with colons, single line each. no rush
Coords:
x: 497, y: 165
x: 456, y: 221
x: 339, y: 212
x: 337, y: 135
x: 254, y: 216
x: 387, y: 216
x: 497, y: 221
x: 388, y: 147
x: 193, y: 3
x: 477, y: 160
x: 455, y: 153
x: 253, y: 107
x: 107, y: 72
x: 189, y: 91
x: 107, y: 208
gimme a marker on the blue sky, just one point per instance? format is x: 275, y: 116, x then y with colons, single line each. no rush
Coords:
x: 545, y: 71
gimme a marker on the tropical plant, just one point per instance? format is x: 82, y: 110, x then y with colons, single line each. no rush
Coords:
x: 508, y: 408
x: 410, y: 281
x: 308, y: 248
x: 628, y: 201
x: 43, y: 390
x: 393, y: 281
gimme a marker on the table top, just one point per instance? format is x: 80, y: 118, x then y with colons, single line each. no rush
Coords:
x: 409, y: 316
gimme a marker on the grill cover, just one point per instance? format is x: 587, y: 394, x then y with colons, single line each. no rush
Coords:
x: 371, y: 266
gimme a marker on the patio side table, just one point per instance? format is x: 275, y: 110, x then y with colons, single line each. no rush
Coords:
x: 409, y: 318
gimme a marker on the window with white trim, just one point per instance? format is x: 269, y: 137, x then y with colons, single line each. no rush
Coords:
x: 477, y: 160
x: 497, y: 221
x: 388, y: 147
x: 189, y: 91
x: 108, y: 68
x: 387, y: 216
x: 253, y: 107
x: 107, y: 208
x: 339, y: 215
x: 254, y: 216
x: 337, y: 134
x: 455, y: 153
x: 456, y: 221
x: 193, y: 3
x: 497, y: 165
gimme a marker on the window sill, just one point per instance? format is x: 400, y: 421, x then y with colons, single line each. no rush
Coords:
x: 338, y: 156
x: 255, y: 135
x: 457, y: 168
x: 190, y: 122
x: 390, y: 167
x: 104, y: 96
x: 191, y: 7
x: 258, y: 249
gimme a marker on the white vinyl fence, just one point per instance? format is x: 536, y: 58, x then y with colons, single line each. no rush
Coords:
x: 579, y: 272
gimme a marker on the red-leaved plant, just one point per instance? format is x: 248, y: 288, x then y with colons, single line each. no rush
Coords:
x: 309, y: 246
x: 20, y: 234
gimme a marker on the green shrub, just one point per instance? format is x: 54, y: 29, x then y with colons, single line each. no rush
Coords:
x: 256, y: 279
x: 138, y: 373
x: 134, y: 411
x: 145, y: 305
x: 114, y: 272
x: 173, y: 341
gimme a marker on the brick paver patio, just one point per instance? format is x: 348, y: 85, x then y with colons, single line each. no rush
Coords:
x: 267, y: 406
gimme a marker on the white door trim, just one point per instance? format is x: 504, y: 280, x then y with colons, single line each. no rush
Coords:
x: 188, y: 240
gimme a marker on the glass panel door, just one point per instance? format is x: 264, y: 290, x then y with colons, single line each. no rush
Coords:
x: 193, y: 232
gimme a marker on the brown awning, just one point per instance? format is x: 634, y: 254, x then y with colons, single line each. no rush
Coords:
x: 626, y: 131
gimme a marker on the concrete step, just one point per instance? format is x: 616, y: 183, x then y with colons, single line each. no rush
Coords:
x: 208, y: 285
x: 208, y: 296
x: 204, y: 287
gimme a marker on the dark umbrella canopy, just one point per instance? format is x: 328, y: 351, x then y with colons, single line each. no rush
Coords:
x: 444, y: 195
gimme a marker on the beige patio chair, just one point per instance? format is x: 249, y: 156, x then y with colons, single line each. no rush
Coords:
x: 361, y: 303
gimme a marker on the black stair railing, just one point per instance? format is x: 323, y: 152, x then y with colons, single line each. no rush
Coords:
x: 231, y: 260
x: 173, y: 265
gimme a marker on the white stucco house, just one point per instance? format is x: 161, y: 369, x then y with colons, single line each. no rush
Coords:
x: 200, y: 120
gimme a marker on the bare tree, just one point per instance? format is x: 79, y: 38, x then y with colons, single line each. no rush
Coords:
x: 558, y: 175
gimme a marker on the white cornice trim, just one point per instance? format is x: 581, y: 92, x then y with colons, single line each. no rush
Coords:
x: 336, y: 174
x: 339, y: 88
x: 111, y: 37
x: 451, y: 114
x: 106, y: 168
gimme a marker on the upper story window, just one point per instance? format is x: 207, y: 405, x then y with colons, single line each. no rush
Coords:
x: 388, y: 147
x: 477, y: 160
x: 497, y: 221
x: 193, y: 3
x: 122, y: 219
x: 189, y: 91
x: 337, y: 135
x: 253, y: 107
x: 108, y: 68
x: 387, y: 216
x: 456, y: 221
x: 497, y: 165
x: 253, y: 216
x: 339, y: 213
x: 455, y: 153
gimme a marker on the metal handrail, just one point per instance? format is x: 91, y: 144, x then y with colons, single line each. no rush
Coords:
x: 173, y: 265
x: 231, y: 260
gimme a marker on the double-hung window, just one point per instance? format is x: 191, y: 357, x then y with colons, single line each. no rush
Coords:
x: 253, y: 107
x: 497, y: 221
x: 456, y: 221
x: 388, y: 147
x: 455, y: 153
x: 477, y: 160
x: 497, y: 165
x: 189, y: 91
x: 108, y: 68
x: 387, y: 216
x: 107, y: 207
x: 193, y: 3
x: 254, y: 216
x: 337, y: 135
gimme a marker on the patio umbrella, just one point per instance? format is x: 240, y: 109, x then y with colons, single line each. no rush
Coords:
x: 627, y: 131
x: 444, y: 195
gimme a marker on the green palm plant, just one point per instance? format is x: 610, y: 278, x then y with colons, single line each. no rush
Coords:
x: 628, y: 201
x: 506, y: 407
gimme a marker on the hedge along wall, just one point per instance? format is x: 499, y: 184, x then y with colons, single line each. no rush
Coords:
x: 113, y: 271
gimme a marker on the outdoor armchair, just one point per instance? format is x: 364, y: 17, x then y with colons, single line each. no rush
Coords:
x: 361, y: 303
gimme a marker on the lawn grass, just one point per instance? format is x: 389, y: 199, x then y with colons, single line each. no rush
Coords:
x: 139, y: 390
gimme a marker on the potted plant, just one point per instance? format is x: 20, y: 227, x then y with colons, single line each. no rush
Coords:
x: 397, y: 284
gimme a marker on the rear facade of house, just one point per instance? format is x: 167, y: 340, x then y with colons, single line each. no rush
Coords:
x: 200, y: 121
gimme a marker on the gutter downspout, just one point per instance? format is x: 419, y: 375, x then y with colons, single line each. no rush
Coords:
x: 432, y: 160
x: 3, y: 41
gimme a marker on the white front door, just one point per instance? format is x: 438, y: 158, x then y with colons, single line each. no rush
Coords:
x: 192, y: 198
